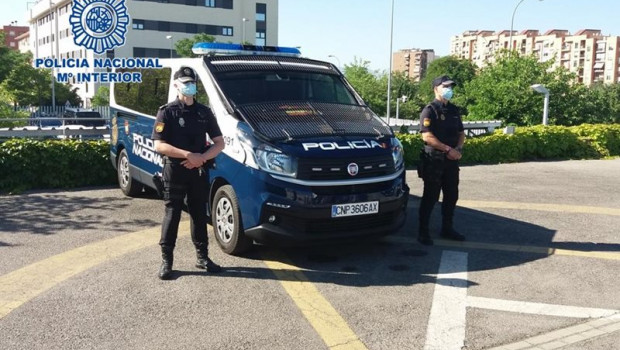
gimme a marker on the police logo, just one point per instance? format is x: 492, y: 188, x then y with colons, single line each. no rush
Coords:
x: 352, y: 169
x: 99, y: 25
x: 159, y: 127
x: 443, y: 117
x: 182, y: 122
x: 427, y: 122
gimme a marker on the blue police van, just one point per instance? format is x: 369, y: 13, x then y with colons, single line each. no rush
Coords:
x: 305, y: 159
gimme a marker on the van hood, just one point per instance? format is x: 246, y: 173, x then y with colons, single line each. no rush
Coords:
x: 293, y: 121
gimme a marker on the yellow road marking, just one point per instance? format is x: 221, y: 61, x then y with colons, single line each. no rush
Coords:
x: 20, y: 286
x: 330, y: 326
x: 513, y: 248
x: 562, y: 208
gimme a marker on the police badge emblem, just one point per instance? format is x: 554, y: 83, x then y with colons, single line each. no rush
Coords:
x: 99, y: 25
x: 182, y: 122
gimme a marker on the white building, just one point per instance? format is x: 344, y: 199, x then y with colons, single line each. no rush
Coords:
x: 154, y: 27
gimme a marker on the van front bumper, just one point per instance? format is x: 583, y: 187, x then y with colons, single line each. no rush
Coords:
x: 305, y: 215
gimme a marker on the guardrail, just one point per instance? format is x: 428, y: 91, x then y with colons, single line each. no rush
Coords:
x: 472, y: 128
x: 67, y: 128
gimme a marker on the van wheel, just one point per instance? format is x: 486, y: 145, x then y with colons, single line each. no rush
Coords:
x: 227, y: 224
x: 128, y: 185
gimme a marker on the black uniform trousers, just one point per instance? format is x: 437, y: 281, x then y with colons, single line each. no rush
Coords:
x: 178, y: 183
x: 439, y: 176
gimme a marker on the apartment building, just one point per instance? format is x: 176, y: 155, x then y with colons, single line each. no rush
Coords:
x: 11, y: 33
x: 592, y: 56
x: 413, y: 62
x: 155, y: 26
x: 23, y: 42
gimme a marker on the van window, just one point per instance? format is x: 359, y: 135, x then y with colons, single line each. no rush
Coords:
x: 284, y: 86
x: 145, y: 97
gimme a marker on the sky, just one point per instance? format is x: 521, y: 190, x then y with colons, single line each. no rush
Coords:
x: 354, y: 30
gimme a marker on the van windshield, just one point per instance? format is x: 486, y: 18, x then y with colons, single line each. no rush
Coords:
x: 286, y: 98
x: 284, y: 86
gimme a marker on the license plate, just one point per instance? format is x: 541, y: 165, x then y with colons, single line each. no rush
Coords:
x: 352, y: 209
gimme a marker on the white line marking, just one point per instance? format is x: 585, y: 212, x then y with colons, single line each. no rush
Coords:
x: 540, y: 308
x: 567, y: 336
x: 446, y: 323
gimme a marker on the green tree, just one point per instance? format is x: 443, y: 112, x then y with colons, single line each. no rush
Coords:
x: 502, y: 91
x: 8, y: 59
x: 601, y: 104
x: 403, y: 86
x: 26, y: 85
x: 183, y: 47
x: 102, y: 96
x: 371, y: 88
x: 65, y: 92
x: 460, y: 70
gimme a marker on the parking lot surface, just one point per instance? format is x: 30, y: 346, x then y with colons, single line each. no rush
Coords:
x: 538, y: 271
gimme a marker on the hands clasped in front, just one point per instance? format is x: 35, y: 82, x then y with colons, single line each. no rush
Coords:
x: 193, y: 161
x: 453, y: 154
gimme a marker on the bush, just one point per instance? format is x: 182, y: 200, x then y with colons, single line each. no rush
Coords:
x: 586, y: 141
x: 7, y: 112
x: 27, y: 164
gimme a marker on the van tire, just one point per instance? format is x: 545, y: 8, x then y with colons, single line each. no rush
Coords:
x: 226, y: 221
x: 128, y: 185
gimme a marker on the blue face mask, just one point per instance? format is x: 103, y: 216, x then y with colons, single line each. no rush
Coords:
x: 447, y: 93
x: 188, y: 89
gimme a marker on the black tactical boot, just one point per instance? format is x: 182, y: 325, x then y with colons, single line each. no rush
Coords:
x: 448, y: 232
x: 204, y: 262
x: 165, y: 271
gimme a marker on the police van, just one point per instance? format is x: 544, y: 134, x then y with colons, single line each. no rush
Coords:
x: 305, y: 159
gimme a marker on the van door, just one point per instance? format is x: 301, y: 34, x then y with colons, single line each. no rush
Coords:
x: 138, y: 104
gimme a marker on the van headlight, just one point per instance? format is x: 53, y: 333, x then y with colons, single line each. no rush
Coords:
x: 272, y: 160
x: 397, y: 153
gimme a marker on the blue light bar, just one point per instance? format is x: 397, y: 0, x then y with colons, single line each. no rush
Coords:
x: 238, y: 49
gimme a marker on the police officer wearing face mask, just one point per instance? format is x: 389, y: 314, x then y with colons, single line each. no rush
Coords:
x: 443, y: 134
x: 180, y: 135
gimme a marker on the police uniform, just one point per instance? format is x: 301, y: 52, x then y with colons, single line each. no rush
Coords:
x: 185, y: 127
x: 440, y: 173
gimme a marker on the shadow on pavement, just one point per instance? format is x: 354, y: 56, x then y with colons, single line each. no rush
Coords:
x: 48, y: 212
x: 390, y: 263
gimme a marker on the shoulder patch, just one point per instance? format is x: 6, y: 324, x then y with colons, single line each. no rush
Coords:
x: 159, y: 127
x: 427, y: 122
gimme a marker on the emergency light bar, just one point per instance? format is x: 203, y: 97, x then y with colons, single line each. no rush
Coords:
x: 211, y: 49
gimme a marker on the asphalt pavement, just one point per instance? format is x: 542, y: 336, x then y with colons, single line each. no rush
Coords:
x: 538, y: 270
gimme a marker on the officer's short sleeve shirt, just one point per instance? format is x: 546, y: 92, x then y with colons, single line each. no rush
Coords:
x: 185, y: 127
x: 443, y: 121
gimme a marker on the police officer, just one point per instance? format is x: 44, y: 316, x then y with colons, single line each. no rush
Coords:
x: 180, y: 135
x: 443, y: 134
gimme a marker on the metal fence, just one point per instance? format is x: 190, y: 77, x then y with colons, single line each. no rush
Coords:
x: 472, y: 128
x: 58, y: 111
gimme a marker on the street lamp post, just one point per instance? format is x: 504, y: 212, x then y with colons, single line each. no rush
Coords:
x: 389, y: 89
x: 512, y: 21
x: 403, y: 98
x: 54, y: 38
x: 169, y: 37
x: 337, y: 59
x: 243, y: 30
x: 543, y: 90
